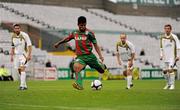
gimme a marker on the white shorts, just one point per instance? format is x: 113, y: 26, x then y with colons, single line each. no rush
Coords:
x: 169, y: 65
x: 126, y: 66
x: 20, y: 60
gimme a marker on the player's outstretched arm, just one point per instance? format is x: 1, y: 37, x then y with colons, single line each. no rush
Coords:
x: 64, y: 40
x: 177, y: 48
x: 132, y: 56
x: 132, y: 59
x: 12, y: 54
x: 177, y: 57
x: 161, y: 49
x: 117, y: 54
x: 96, y: 46
x: 29, y: 53
x: 161, y: 54
x: 118, y: 58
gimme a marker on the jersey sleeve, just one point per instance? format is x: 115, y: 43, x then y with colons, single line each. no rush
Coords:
x: 12, y: 43
x: 132, y: 47
x: 161, y: 46
x: 28, y: 41
x: 117, y: 45
x: 70, y: 36
x: 177, y: 42
x: 92, y: 37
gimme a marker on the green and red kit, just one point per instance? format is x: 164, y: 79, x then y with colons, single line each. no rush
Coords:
x: 83, y: 41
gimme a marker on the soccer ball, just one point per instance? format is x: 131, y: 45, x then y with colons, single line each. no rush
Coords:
x: 96, y: 85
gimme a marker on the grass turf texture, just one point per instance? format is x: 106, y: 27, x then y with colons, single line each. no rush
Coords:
x: 59, y: 95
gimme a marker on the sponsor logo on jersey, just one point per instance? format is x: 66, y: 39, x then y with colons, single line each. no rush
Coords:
x: 80, y: 38
x: 168, y: 45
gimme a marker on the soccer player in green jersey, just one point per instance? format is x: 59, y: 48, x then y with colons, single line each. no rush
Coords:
x: 84, y: 40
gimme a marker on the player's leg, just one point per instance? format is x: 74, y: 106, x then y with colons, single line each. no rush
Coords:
x: 101, y: 68
x: 129, y: 76
x: 104, y: 76
x: 78, y: 66
x: 23, y: 84
x: 93, y: 62
x: 22, y: 67
x: 166, y: 75
x: 167, y: 78
x: 172, y: 80
x: 17, y: 64
x: 17, y: 67
x: 172, y: 72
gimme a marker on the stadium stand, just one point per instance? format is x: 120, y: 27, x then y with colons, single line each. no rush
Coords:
x: 64, y: 21
x: 153, y: 24
x: 54, y: 17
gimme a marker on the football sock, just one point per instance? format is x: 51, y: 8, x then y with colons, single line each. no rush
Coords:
x: 100, y: 76
x: 23, y: 79
x: 166, y: 76
x: 129, y: 80
x: 103, y: 66
x: 172, y: 78
x: 79, y: 79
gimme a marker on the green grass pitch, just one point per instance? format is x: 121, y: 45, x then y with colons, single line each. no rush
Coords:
x: 59, y: 95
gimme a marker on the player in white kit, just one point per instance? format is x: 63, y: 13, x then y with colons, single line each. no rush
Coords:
x: 125, y: 57
x: 169, y: 53
x: 21, y: 53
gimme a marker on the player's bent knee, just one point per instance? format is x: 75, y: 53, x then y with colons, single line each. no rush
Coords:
x: 78, y: 67
x: 129, y: 72
x: 19, y: 70
x: 22, y: 68
x: 100, y: 70
x: 77, y: 70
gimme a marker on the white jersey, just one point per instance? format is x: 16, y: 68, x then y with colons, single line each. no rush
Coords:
x: 170, y: 47
x: 125, y: 50
x: 20, y: 43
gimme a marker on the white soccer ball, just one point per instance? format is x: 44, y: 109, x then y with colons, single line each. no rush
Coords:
x: 96, y: 85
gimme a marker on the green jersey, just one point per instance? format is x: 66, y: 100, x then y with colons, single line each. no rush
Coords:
x: 83, y: 41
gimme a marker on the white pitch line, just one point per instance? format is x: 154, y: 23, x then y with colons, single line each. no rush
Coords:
x: 57, y: 107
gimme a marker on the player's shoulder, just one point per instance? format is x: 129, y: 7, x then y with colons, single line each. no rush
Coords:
x: 88, y: 31
x: 129, y: 42
x: 162, y: 35
x: 118, y: 43
x: 13, y: 34
x: 24, y: 34
x: 174, y: 35
x: 74, y: 31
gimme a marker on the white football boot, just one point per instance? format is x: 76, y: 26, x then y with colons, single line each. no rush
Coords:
x: 171, y: 87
